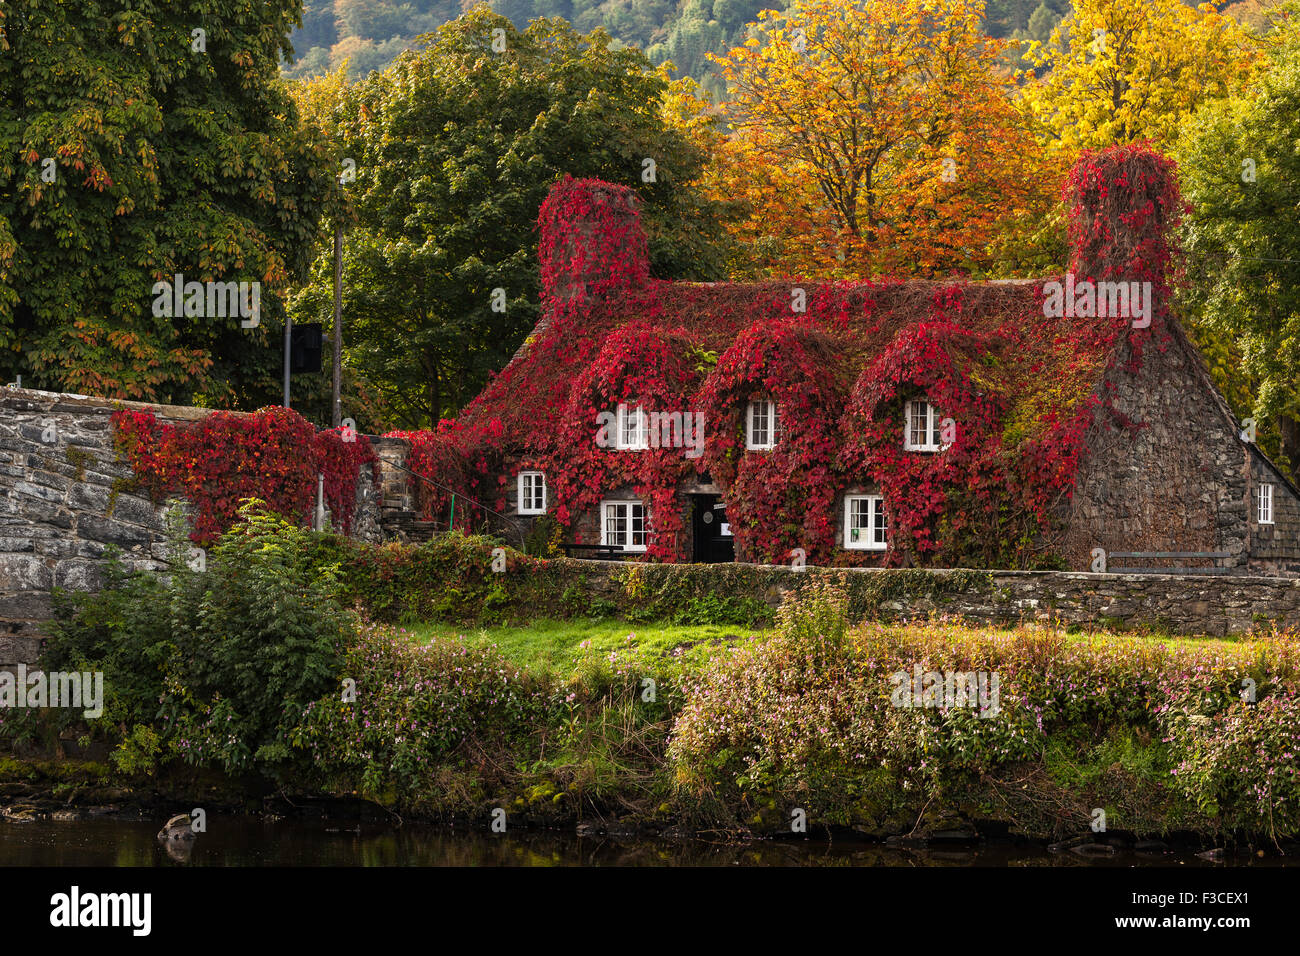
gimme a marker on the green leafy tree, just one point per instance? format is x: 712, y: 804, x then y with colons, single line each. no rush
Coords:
x: 138, y: 141
x: 1241, y: 173
x: 455, y: 148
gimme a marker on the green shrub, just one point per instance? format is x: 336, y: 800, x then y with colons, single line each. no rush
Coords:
x: 712, y: 609
x: 544, y: 537
x: 124, y: 630
x: 416, y: 709
x: 259, y: 635
x: 214, y: 664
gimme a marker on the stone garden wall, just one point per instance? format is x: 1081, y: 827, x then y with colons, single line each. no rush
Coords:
x: 1213, y: 605
x: 65, y: 499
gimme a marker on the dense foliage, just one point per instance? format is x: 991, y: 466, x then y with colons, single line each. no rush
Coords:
x: 224, y: 458
x: 876, y: 139
x: 370, y: 34
x: 253, y: 666
x: 131, y: 150
x: 1154, y: 734
x: 795, y: 366
x: 418, y: 709
x: 212, y: 666
x: 1238, y: 164
x: 454, y: 149
x: 1117, y: 71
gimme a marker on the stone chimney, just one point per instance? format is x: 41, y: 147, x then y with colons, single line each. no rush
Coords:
x: 592, y: 245
x: 1124, y: 207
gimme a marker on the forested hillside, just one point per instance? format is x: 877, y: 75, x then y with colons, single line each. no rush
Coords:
x: 370, y: 33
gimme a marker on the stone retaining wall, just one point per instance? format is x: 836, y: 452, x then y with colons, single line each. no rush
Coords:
x: 1177, y: 604
x: 65, y: 498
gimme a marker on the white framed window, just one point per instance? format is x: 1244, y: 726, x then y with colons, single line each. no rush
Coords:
x: 921, y: 432
x: 1264, y: 503
x: 631, y: 433
x: 762, y: 426
x: 532, y: 493
x: 864, y: 523
x: 622, y: 525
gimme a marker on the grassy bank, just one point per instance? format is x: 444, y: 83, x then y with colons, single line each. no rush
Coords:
x: 552, y: 646
x: 1153, y: 732
x: 259, y: 669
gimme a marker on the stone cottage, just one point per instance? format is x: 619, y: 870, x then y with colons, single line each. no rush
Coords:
x: 1060, y: 422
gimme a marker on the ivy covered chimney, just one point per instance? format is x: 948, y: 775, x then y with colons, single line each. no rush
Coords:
x: 592, y: 245
x: 1124, y: 207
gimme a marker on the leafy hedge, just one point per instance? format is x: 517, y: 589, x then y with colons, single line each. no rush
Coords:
x: 1160, y: 736
x: 451, y: 579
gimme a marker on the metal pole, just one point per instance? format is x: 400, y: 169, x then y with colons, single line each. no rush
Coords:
x: 320, y: 502
x: 288, y: 332
x: 336, y: 416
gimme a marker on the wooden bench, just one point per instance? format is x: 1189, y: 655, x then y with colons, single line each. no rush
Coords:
x: 607, y: 552
x: 1147, y: 555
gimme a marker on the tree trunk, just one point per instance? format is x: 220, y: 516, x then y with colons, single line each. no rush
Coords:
x: 1289, y: 427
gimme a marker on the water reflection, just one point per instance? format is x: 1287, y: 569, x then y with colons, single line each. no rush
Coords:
x: 249, y: 841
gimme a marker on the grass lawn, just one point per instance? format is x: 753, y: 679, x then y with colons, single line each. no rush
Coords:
x: 548, y: 645
x: 1172, y: 641
x: 554, y: 646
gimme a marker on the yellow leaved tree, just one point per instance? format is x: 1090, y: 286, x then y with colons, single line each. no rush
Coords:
x: 1118, y: 71
x: 875, y: 137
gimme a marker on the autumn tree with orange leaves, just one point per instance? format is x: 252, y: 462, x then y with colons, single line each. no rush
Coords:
x: 876, y: 138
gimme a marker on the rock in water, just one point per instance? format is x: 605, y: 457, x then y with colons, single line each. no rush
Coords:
x: 1093, y: 849
x: 176, y: 829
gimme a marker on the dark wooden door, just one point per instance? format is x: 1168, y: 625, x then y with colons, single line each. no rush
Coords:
x: 714, y: 543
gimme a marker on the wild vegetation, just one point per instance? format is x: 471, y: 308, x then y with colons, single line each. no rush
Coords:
x: 261, y: 668
x: 369, y: 34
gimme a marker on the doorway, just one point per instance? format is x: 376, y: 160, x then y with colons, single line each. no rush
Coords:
x: 710, y: 532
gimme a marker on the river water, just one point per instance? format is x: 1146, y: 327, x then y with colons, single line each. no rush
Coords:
x: 251, y: 841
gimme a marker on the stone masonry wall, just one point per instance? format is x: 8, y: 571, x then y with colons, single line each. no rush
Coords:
x: 65, y: 498
x: 1171, y: 478
x: 1177, y: 604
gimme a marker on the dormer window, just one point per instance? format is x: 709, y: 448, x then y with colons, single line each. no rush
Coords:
x: 921, y: 432
x: 631, y: 432
x: 762, y: 426
x: 532, y: 493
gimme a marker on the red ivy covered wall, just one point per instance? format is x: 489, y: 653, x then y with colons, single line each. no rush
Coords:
x: 273, y: 454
